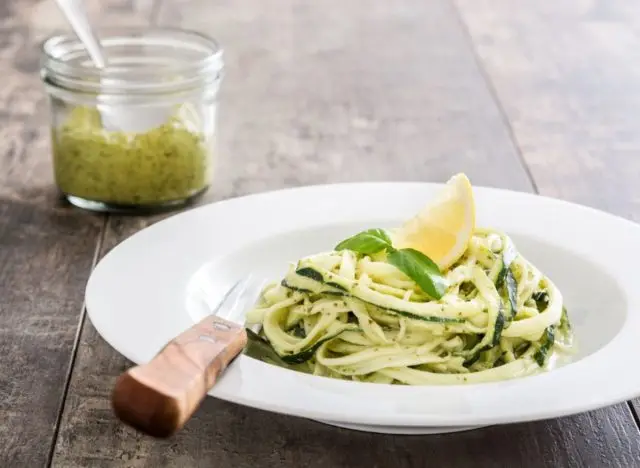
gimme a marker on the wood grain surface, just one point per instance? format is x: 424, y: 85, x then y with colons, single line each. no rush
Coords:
x: 46, y: 249
x: 569, y: 83
x: 46, y: 253
x: 568, y: 79
x: 517, y: 94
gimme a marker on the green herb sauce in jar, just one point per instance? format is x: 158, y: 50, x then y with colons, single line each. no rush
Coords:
x: 165, y: 164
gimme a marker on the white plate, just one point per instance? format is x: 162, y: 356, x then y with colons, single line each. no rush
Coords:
x: 159, y: 282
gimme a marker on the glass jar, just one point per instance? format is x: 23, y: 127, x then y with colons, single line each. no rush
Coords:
x: 138, y: 135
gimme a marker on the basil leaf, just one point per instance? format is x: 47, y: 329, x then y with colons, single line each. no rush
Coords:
x: 420, y: 269
x: 367, y: 242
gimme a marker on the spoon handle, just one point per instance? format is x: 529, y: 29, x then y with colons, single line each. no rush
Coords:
x: 77, y: 18
x: 157, y: 398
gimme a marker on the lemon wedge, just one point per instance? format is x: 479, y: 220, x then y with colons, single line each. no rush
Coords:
x: 443, y: 228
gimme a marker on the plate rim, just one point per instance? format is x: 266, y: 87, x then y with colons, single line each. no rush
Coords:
x: 415, y: 420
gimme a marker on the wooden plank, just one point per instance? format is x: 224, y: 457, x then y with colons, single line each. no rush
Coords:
x: 348, y: 91
x: 568, y: 77
x: 45, y: 257
x: 46, y: 249
x: 335, y: 91
x: 46, y: 252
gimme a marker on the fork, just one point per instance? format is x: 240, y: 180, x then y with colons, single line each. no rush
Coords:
x: 159, y: 397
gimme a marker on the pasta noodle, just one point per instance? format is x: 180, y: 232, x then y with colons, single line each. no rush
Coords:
x: 351, y: 316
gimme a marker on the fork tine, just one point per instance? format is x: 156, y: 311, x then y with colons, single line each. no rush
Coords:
x: 237, y: 299
x: 227, y: 296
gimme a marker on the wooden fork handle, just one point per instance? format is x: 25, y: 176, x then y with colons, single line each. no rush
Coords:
x: 159, y: 397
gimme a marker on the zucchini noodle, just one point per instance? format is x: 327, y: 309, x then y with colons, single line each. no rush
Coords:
x: 357, y: 317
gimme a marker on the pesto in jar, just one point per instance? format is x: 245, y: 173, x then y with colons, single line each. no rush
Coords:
x: 165, y: 164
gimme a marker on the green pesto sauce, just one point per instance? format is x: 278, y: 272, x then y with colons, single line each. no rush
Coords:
x: 167, y: 163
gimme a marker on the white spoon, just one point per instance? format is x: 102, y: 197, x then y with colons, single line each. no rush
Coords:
x: 121, y: 118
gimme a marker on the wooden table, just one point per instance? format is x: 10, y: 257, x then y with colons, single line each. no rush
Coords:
x: 531, y: 96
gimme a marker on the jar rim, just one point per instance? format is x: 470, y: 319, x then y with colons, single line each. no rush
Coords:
x: 65, y: 62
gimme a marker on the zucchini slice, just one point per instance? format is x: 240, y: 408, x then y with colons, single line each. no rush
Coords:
x: 506, y: 283
x: 307, y: 278
x: 543, y: 352
x: 308, y: 352
x: 260, y: 349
